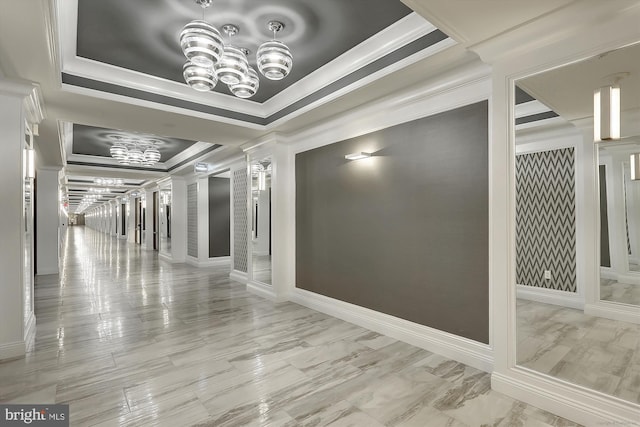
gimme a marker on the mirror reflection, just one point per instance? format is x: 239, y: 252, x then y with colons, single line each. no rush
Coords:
x: 165, y: 220
x: 575, y: 321
x: 619, y: 224
x: 261, y: 220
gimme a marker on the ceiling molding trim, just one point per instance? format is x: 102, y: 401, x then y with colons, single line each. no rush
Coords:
x: 99, y: 89
x: 536, y: 117
x: 116, y: 166
x: 413, y: 52
x: 530, y: 108
x: 396, y: 36
x: 194, y: 157
x: 195, y: 149
x: 616, y: 20
x: 461, y: 86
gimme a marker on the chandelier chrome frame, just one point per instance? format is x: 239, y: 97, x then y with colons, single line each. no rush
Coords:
x: 135, y: 151
x: 210, y: 60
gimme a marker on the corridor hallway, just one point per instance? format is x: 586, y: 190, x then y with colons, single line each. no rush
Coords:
x: 127, y: 339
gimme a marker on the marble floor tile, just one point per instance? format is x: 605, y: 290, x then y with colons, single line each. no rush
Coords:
x: 130, y: 340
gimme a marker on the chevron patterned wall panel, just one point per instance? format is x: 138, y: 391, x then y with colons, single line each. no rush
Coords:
x: 240, y: 220
x: 546, y: 220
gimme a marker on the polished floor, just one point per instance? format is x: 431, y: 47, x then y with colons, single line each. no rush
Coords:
x: 594, y: 352
x: 127, y: 339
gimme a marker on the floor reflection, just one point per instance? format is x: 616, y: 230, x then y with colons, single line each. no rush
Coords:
x: 127, y: 339
x: 262, y: 268
x: 594, y: 352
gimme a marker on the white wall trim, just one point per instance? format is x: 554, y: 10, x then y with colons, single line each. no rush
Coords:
x: 211, y: 262
x: 567, y: 400
x: 238, y: 276
x: 47, y: 271
x: 165, y: 257
x: 613, y: 310
x: 12, y: 350
x: 550, y: 296
x: 464, y: 350
x: 263, y: 290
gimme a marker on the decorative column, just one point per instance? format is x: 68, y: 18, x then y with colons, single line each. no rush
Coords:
x: 19, y: 106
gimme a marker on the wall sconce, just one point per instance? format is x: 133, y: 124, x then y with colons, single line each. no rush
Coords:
x: 635, y: 167
x: 262, y: 180
x: 357, y: 156
x: 201, y: 167
x: 606, y: 113
x: 30, y: 163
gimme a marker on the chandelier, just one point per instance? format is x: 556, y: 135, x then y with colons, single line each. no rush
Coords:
x: 135, y: 151
x: 109, y: 182
x: 210, y: 60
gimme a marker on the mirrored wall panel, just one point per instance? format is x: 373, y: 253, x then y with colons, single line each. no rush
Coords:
x: 557, y: 158
x: 261, y: 238
x: 164, y: 221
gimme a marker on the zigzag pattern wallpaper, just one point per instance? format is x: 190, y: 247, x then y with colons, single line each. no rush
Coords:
x: 546, y: 219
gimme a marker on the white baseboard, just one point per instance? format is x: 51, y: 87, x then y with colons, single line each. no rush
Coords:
x: 211, y: 262
x: 47, y: 271
x: 576, y: 403
x: 615, y: 311
x: 239, y: 276
x: 12, y: 350
x: 550, y: 296
x: 464, y: 350
x: 165, y: 257
x: 260, y: 289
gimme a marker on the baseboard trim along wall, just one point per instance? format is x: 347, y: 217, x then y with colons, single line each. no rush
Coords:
x: 578, y: 404
x: 12, y: 350
x: 550, y: 296
x: 615, y: 311
x: 260, y: 289
x: 211, y: 262
x: 238, y: 276
x: 469, y: 352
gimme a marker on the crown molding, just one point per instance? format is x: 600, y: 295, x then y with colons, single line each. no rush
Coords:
x: 595, y: 23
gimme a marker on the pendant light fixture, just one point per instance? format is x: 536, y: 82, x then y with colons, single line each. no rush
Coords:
x: 210, y: 60
x: 248, y: 86
x: 233, y: 65
x: 274, y: 57
x: 202, y: 79
x: 201, y: 42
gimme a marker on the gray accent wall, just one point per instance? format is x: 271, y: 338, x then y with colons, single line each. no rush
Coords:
x: 240, y: 220
x: 546, y: 219
x: 404, y: 232
x: 219, y: 217
x: 192, y: 220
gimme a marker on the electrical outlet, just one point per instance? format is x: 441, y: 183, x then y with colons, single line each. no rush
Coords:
x: 547, y: 274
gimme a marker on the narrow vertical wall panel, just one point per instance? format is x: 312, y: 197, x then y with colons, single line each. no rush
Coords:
x: 219, y: 217
x: 192, y: 220
x: 240, y: 220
